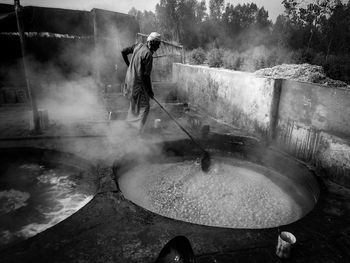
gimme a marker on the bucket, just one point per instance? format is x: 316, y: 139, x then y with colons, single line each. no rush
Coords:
x: 286, y: 241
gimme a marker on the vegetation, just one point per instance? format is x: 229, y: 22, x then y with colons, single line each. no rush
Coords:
x: 215, y: 57
x: 197, y: 56
x: 243, y: 37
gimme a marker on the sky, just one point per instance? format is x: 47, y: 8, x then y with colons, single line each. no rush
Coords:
x: 274, y: 7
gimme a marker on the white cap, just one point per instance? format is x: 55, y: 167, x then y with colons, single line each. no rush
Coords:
x: 154, y: 36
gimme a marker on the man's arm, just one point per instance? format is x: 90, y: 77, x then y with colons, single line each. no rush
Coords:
x: 125, y: 52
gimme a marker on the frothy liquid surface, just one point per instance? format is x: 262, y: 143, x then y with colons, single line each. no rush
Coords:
x: 35, y: 197
x: 236, y: 195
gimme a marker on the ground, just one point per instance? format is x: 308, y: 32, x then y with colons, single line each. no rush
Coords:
x: 112, y: 229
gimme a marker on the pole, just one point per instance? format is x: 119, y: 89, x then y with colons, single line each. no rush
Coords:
x: 97, y: 72
x: 31, y: 94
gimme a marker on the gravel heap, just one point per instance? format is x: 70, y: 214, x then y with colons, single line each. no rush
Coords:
x: 301, y: 72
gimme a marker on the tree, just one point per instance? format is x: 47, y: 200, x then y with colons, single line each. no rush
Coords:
x: 247, y: 13
x: 262, y: 19
x: 310, y: 18
x: 134, y: 12
x: 281, y: 32
x: 216, y: 9
x: 231, y: 20
x: 149, y: 22
x: 180, y: 20
x: 188, y: 23
x: 336, y: 29
x: 168, y: 18
x: 290, y: 9
x: 200, y: 11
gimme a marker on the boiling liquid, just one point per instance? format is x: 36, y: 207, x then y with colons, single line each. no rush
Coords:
x: 35, y: 197
x: 236, y: 195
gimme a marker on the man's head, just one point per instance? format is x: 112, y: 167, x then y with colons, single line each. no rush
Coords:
x: 153, y: 41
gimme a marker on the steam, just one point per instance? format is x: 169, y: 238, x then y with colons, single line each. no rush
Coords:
x: 73, y: 100
x: 70, y: 77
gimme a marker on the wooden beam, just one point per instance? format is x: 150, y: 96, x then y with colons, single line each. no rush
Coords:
x: 31, y: 94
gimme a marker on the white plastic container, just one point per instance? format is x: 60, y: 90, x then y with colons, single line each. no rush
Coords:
x: 286, y: 241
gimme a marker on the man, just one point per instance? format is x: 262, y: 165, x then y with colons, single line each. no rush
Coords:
x: 138, y: 79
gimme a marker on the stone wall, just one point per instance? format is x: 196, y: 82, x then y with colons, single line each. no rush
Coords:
x: 309, y: 121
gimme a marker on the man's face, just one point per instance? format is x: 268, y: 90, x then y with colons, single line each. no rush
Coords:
x: 155, y: 45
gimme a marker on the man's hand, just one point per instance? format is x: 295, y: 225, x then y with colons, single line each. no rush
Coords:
x: 116, y: 67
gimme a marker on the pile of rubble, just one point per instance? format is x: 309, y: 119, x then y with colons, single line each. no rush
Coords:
x: 301, y: 72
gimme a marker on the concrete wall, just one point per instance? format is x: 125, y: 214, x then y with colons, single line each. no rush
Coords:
x: 237, y: 98
x: 309, y: 121
x: 314, y: 125
x: 325, y: 109
x: 163, y: 66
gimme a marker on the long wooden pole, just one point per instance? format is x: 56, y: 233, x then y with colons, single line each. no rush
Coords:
x: 96, y: 49
x: 31, y: 94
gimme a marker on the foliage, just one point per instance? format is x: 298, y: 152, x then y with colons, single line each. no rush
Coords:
x: 232, y: 60
x: 216, y: 8
x: 197, y: 56
x: 307, y: 32
x: 147, y: 20
x: 168, y: 19
x: 338, y: 67
x: 215, y: 58
x: 180, y: 20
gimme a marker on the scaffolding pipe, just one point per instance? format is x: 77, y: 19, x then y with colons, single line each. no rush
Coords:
x: 31, y: 95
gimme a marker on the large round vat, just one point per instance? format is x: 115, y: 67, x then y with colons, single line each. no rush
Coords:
x: 248, y: 185
x: 40, y: 188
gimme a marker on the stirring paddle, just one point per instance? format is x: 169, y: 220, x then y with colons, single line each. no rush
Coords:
x: 205, y: 159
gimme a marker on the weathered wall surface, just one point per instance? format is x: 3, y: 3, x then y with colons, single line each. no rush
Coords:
x: 309, y: 121
x: 333, y: 158
x: 314, y: 125
x: 325, y: 109
x: 235, y: 97
x: 163, y: 65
